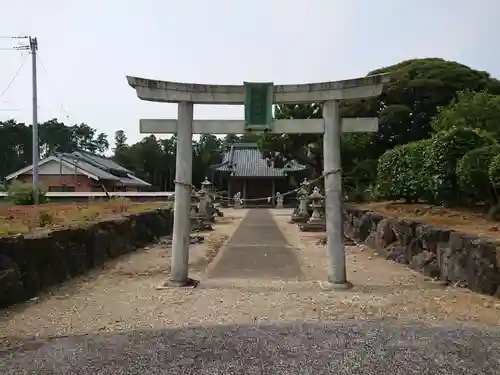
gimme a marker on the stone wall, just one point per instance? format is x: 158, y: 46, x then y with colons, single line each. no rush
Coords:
x: 31, y: 263
x: 444, y: 254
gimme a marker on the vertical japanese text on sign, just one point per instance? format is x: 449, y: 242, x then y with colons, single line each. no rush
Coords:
x: 258, y: 106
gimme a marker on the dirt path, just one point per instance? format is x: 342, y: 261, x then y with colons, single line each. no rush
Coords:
x: 123, y: 297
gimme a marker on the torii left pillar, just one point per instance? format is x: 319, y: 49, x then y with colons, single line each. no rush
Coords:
x: 183, y: 180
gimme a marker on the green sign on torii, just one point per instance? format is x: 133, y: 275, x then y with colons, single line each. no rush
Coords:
x: 258, y: 102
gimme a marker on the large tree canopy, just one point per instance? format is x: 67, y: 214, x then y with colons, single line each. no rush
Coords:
x: 405, y: 109
x: 418, y: 88
x: 480, y: 110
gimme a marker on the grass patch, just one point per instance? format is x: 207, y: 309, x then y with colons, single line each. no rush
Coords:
x: 15, y: 219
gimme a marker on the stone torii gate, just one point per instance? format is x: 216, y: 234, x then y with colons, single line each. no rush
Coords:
x: 258, y: 99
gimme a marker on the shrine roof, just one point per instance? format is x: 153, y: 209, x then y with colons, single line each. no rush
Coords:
x: 246, y: 160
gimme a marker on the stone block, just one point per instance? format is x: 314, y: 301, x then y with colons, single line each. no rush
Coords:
x: 31, y: 263
x: 451, y: 256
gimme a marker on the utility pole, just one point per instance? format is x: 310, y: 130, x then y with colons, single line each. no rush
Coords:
x: 32, y: 47
x: 36, y: 148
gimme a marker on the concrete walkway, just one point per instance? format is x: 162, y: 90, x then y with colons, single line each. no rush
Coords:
x: 257, y: 250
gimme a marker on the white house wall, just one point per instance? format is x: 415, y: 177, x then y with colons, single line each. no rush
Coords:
x: 53, y: 167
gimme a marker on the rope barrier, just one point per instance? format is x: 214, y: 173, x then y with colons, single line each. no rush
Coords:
x: 269, y: 198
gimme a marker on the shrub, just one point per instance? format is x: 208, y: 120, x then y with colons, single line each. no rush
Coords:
x: 444, y: 151
x: 119, y: 205
x: 389, y: 183
x: 494, y: 171
x: 45, y: 218
x: 473, y: 173
x: 357, y: 181
x: 399, y: 172
x: 22, y: 193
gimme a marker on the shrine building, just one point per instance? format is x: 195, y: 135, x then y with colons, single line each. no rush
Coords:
x: 247, y: 171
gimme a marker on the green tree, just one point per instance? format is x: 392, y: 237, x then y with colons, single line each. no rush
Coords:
x: 473, y: 175
x: 479, y: 110
x: 55, y: 136
x: 123, y: 155
x: 15, y: 146
x: 231, y: 138
x: 444, y: 153
x: 405, y: 109
x: 86, y: 138
x: 207, y: 151
x: 120, y: 139
x: 417, y: 89
x: 168, y: 147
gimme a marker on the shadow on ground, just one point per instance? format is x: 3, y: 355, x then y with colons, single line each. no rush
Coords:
x: 339, y: 348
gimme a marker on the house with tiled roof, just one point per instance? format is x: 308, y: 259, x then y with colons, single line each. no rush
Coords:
x: 81, y: 171
x: 252, y: 175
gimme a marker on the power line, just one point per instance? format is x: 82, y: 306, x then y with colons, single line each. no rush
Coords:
x: 50, y: 83
x: 19, y: 47
x: 13, y: 78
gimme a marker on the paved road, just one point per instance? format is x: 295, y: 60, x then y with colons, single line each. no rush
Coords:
x: 257, y: 250
x: 341, y: 348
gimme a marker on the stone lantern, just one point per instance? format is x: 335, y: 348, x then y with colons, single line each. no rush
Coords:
x: 195, y: 198
x: 304, y: 186
x: 317, y: 201
x: 206, y: 185
x: 317, y: 221
x: 300, y: 214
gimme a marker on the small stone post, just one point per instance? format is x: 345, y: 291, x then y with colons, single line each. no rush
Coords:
x: 279, y: 200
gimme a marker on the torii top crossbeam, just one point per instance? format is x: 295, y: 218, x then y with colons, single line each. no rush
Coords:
x: 175, y: 92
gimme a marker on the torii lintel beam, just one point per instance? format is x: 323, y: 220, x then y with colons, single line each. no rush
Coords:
x: 310, y: 126
x: 176, y: 92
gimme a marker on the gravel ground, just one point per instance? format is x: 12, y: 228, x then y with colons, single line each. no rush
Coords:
x: 121, y: 312
x: 335, y: 348
x: 121, y: 296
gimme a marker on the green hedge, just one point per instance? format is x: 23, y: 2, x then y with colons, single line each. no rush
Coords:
x: 494, y: 171
x: 437, y: 169
x: 389, y: 185
x: 400, y: 172
x: 473, y: 173
x: 443, y: 153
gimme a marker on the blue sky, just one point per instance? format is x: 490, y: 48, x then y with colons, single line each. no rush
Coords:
x: 87, y: 48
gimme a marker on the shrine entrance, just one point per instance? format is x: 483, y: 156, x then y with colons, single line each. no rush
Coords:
x: 251, y: 176
x: 258, y: 100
